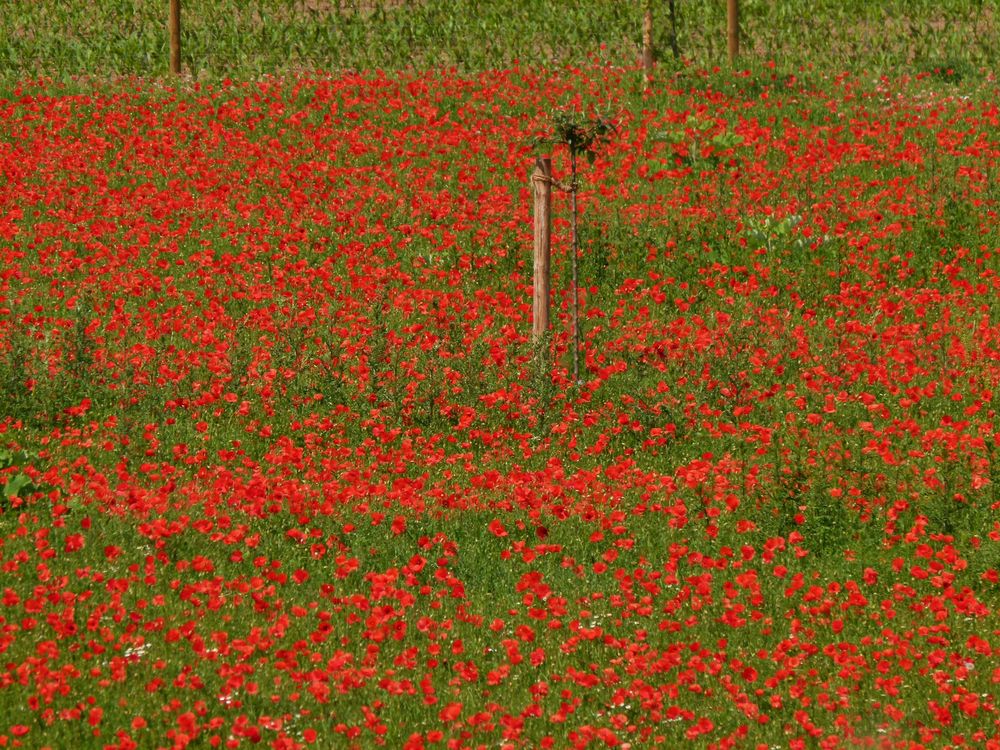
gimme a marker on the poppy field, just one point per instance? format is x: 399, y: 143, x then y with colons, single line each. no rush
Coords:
x: 280, y: 464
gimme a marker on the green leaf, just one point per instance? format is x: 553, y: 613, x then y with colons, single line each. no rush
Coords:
x: 726, y: 140
x: 10, y: 458
x: 16, y: 485
x: 668, y: 136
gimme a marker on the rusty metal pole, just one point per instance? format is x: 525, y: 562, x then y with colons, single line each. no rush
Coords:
x: 174, y: 27
x: 541, y: 182
x: 733, y: 29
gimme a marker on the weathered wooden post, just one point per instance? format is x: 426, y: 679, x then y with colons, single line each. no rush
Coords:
x: 674, y: 45
x: 174, y: 27
x: 541, y: 182
x: 733, y: 29
x: 647, y: 43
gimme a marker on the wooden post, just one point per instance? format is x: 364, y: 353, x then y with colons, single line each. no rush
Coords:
x: 647, y: 43
x: 541, y: 182
x: 674, y: 45
x: 174, y: 27
x: 733, y: 29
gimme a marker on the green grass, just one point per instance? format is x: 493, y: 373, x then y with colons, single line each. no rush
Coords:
x: 954, y: 39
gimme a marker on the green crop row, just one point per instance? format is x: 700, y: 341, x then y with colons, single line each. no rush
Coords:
x: 230, y: 38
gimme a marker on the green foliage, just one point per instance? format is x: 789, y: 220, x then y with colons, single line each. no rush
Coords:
x: 14, y: 481
x: 582, y: 135
x: 953, y: 38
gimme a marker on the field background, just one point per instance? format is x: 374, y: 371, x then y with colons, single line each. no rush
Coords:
x: 227, y: 37
x: 280, y: 464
